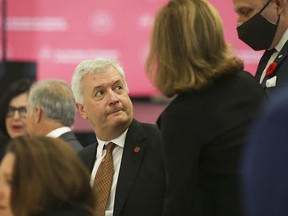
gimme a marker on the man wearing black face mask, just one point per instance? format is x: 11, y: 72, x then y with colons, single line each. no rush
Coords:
x: 263, y: 25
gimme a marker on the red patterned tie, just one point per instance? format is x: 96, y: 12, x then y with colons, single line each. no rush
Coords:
x: 103, y: 180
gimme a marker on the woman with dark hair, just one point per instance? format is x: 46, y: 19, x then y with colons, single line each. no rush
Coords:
x: 42, y: 176
x: 13, y: 111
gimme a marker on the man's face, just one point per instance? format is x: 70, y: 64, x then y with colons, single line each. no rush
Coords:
x: 106, y: 104
x: 246, y: 9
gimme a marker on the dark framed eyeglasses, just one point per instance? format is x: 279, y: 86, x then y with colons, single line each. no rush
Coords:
x: 22, y: 111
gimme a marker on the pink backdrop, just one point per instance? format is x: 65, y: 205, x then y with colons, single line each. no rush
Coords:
x: 58, y: 34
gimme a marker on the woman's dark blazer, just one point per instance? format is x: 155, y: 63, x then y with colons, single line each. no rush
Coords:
x: 203, y: 135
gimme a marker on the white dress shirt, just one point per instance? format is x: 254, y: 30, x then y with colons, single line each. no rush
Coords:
x: 58, y: 132
x: 117, y: 157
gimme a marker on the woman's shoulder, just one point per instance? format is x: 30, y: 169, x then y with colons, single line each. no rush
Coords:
x: 246, y: 75
x: 240, y: 78
x: 246, y: 78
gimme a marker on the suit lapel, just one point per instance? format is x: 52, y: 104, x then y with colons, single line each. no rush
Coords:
x: 88, y: 156
x: 282, y: 55
x: 131, y: 161
x: 278, y: 60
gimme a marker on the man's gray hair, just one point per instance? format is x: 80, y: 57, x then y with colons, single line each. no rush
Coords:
x: 56, y: 100
x: 92, y: 66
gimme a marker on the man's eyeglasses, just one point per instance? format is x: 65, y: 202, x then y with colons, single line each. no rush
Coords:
x: 22, y: 111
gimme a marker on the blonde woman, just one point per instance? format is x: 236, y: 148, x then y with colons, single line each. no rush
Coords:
x: 204, y: 127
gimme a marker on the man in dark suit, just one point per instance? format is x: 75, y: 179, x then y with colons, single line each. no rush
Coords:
x: 263, y: 25
x: 265, y: 173
x: 138, y: 184
x: 51, y: 111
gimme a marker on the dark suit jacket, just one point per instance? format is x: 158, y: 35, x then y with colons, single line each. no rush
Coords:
x: 203, y: 135
x: 281, y: 72
x: 265, y: 175
x: 71, y: 139
x: 141, y: 182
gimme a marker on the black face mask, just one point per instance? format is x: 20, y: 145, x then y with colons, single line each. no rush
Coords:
x: 257, y: 32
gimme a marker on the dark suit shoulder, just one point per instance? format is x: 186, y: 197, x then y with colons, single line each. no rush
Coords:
x: 71, y: 139
x: 88, y: 155
x: 88, y: 150
x: 139, y: 132
x: 144, y: 127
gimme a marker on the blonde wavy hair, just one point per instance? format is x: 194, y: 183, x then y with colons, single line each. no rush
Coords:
x: 188, y: 49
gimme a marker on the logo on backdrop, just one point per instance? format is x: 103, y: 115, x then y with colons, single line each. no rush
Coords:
x: 145, y: 21
x: 102, y: 22
x: 74, y: 56
x: 37, y: 24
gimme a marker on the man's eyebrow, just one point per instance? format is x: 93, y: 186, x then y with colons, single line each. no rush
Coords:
x: 118, y: 81
x: 242, y: 9
x: 237, y: 9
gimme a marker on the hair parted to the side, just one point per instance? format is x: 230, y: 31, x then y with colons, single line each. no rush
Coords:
x: 91, y: 66
x: 47, y: 174
x: 188, y: 48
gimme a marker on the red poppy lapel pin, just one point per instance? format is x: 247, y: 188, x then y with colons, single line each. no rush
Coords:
x: 270, y: 70
x: 136, y: 149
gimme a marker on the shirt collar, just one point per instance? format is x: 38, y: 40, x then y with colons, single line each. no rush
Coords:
x: 58, y: 132
x: 119, y: 141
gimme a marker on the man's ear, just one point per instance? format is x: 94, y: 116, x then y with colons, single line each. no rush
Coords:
x: 281, y: 4
x: 38, y: 114
x: 81, y: 110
